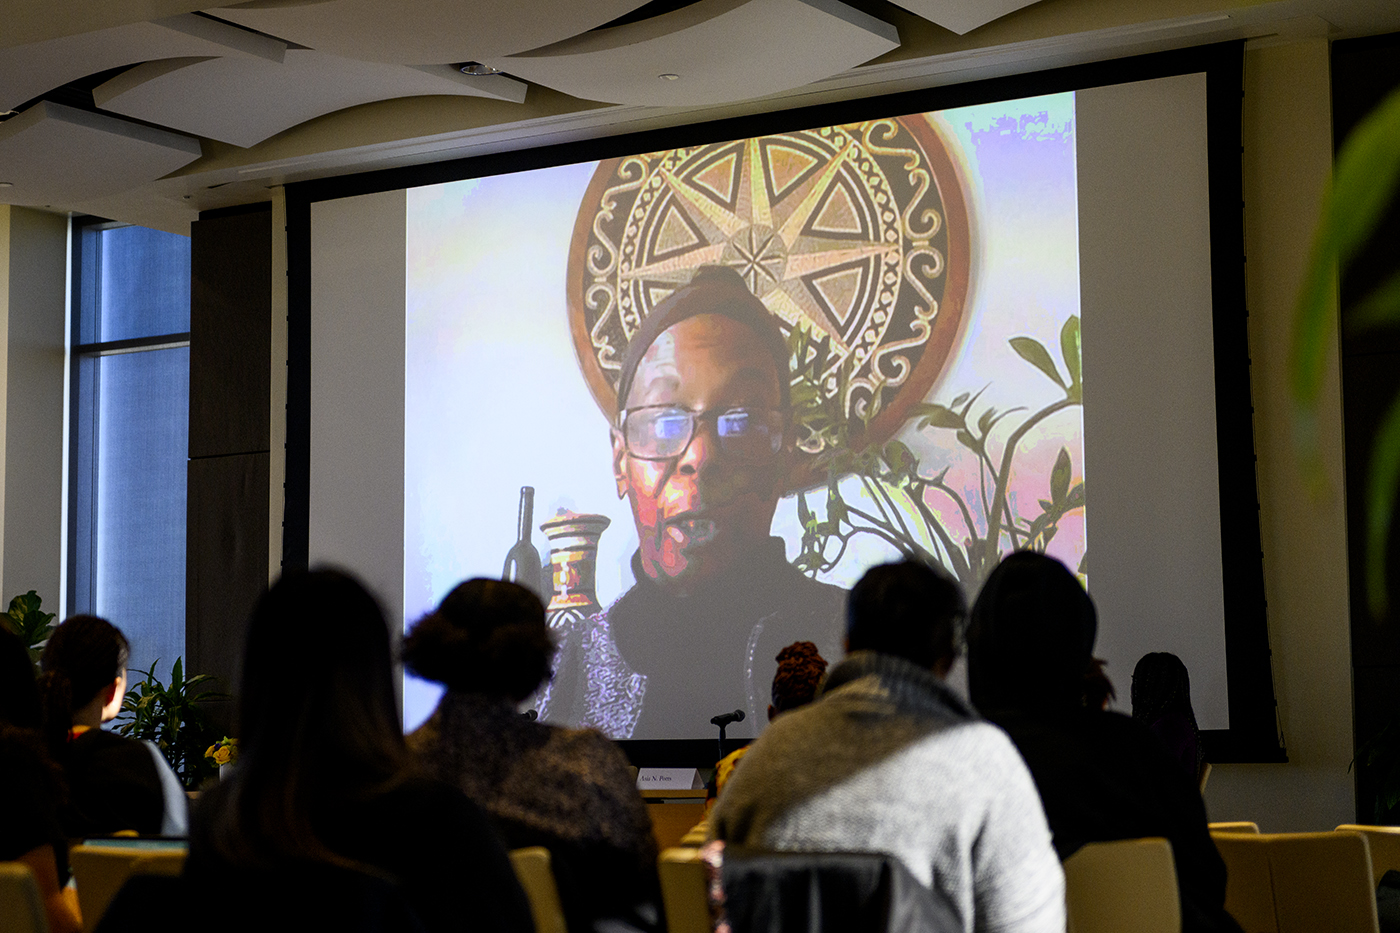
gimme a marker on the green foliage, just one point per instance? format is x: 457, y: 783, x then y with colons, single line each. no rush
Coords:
x: 31, y: 625
x: 905, y: 492
x: 1365, y: 180
x: 170, y: 716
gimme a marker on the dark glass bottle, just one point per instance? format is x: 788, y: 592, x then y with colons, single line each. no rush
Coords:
x: 523, y: 561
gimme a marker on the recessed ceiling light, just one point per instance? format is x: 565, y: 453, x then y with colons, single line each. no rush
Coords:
x: 478, y: 70
x: 669, y: 77
x: 7, y: 184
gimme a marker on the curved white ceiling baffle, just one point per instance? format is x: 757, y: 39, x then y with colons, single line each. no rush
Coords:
x: 26, y: 71
x: 963, y: 16
x: 415, y: 32
x: 711, y: 52
x: 57, y: 155
x: 243, y: 101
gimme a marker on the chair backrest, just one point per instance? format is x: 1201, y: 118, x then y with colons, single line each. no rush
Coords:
x: 1385, y: 847
x: 683, y: 891
x: 100, y: 871
x: 1249, y: 886
x: 1322, y: 881
x: 1233, y: 828
x: 21, y: 907
x: 532, y: 867
x: 1125, y: 885
x: 1204, y: 776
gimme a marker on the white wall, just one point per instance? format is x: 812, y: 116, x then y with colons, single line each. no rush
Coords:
x: 33, y: 293
x: 1287, y: 156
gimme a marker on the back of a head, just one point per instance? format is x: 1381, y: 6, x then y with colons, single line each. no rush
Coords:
x: 83, y: 655
x: 316, y: 705
x: 19, y: 694
x: 1031, y: 639
x: 1161, y: 686
x: 488, y: 637
x: 801, y: 670
x: 910, y: 609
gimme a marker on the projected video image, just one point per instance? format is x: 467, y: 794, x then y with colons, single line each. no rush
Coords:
x: 690, y: 396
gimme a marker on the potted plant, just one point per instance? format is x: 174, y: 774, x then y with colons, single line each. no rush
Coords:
x: 170, y: 716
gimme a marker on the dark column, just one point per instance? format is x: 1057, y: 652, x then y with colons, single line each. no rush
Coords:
x: 230, y: 372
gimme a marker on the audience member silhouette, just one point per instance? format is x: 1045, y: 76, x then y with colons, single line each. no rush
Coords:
x: 1100, y: 775
x: 890, y: 760
x: 1162, y: 702
x: 569, y: 790
x: 324, y: 821
x: 115, y: 784
x: 31, y: 787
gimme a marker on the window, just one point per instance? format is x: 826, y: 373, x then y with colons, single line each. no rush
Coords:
x: 129, y: 442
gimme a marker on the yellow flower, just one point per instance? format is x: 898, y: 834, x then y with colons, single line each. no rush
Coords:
x: 209, y: 752
x: 222, y: 755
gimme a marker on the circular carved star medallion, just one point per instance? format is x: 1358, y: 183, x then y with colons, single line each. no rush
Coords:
x: 857, y: 233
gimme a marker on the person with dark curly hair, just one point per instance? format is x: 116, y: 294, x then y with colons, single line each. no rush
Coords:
x: 569, y: 790
x: 115, y: 783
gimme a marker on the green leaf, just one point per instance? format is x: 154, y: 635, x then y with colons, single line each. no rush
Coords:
x: 967, y: 440
x: 1046, y: 505
x: 1059, y: 477
x: 1075, y: 499
x: 1070, y: 349
x: 901, y: 459
x: 985, y: 422
x: 804, y: 514
x: 1033, y: 352
x: 1381, y: 482
x: 1084, y: 564
x: 1380, y: 307
x: 960, y: 399
x: 937, y: 416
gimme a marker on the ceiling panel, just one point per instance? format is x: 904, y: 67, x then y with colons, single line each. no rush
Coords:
x: 711, y: 52
x: 963, y: 16
x: 57, y: 155
x: 243, y: 101
x: 27, y: 71
x: 414, y: 32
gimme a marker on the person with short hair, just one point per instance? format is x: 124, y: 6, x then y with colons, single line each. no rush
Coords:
x: 890, y: 760
x: 569, y: 790
x: 1101, y: 775
x: 115, y: 783
x: 1161, y: 696
x: 703, y: 447
x: 325, y: 823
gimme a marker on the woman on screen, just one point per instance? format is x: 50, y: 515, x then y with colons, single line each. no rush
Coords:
x: 569, y: 790
x: 324, y: 799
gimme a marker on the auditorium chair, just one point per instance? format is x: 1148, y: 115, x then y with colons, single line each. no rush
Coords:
x: 1125, y: 885
x: 100, y: 871
x: 1242, y: 827
x: 21, y: 907
x: 1299, y: 882
x: 532, y: 867
x: 683, y: 891
x: 1385, y: 846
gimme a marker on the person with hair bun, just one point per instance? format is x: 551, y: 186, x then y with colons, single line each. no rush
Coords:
x: 569, y: 790
x: 115, y: 783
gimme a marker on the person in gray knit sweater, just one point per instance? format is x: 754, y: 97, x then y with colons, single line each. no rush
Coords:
x: 890, y: 760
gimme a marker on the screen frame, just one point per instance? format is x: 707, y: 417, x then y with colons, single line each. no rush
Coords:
x: 1253, y: 735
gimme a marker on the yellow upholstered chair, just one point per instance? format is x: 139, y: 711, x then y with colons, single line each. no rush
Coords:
x: 683, y: 891
x: 1299, y: 882
x: 532, y: 867
x: 100, y: 871
x: 1249, y: 886
x: 21, y: 906
x: 1322, y: 881
x: 1233, y: 828
x: 1124, y: 885
x: 1385, y: 846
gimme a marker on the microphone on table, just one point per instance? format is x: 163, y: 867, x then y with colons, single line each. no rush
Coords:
x: 723, y: 720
